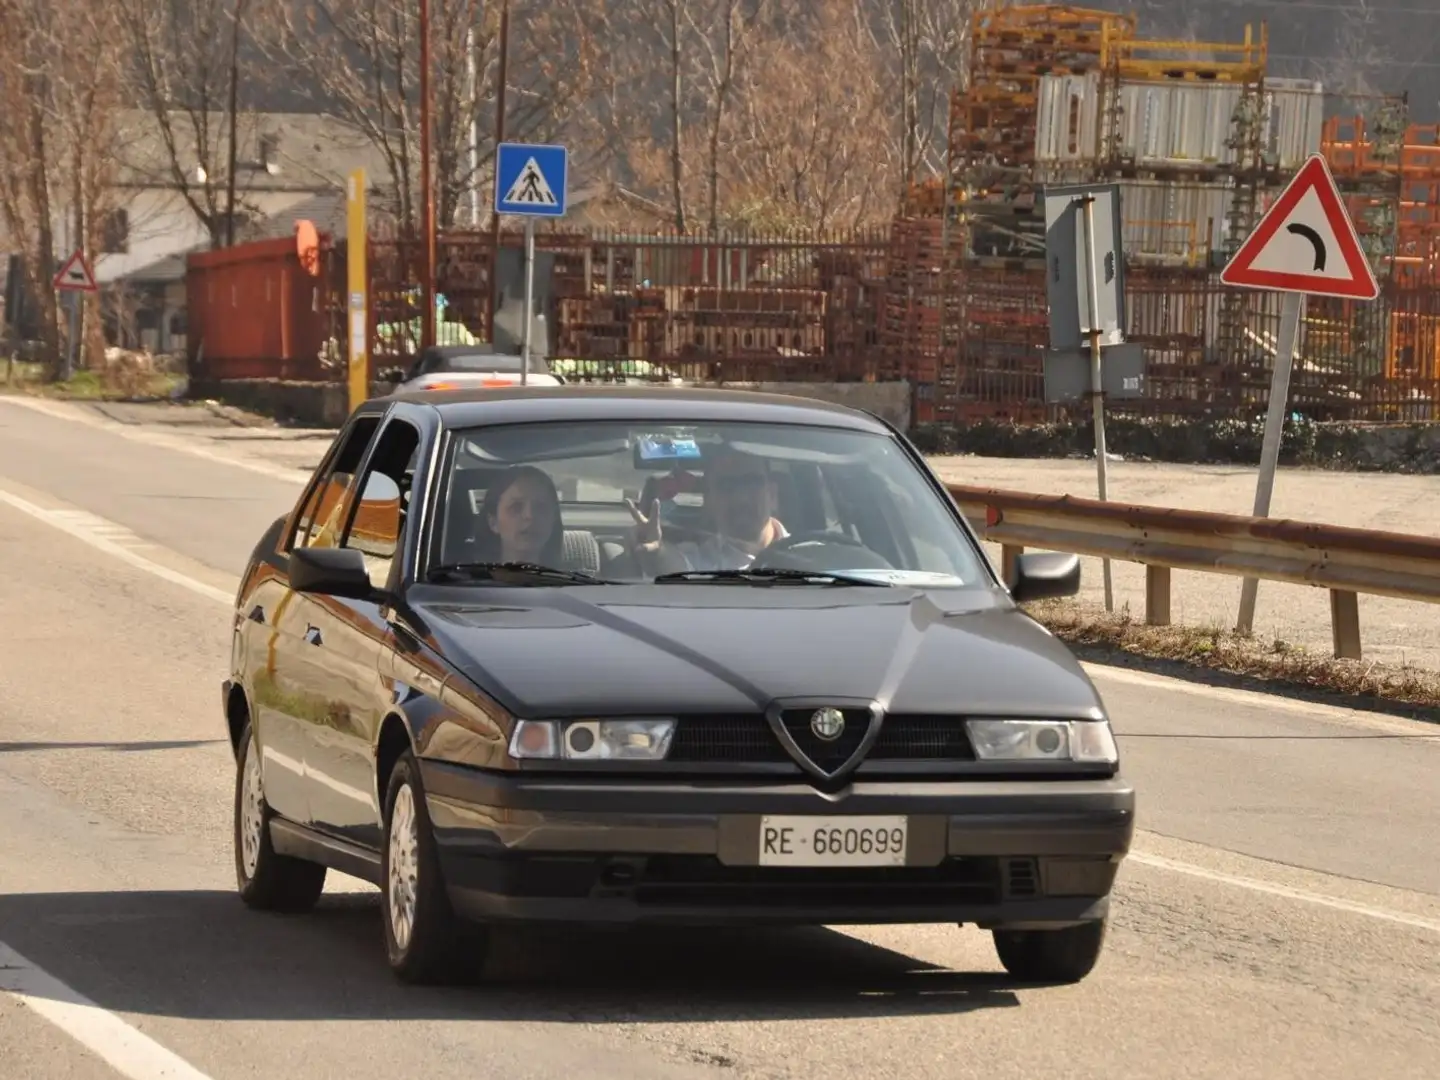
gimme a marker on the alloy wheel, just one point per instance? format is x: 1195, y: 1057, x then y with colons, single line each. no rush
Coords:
x: 404, y: 847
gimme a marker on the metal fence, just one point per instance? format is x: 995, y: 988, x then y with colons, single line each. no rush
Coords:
x: 874, y: 305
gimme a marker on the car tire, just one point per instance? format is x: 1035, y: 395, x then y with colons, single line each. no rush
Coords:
x: 1051, y: 956
x: 425, y: 941
x: 267, y: 880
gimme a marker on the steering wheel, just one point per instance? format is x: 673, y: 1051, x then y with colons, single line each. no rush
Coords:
x: 787, y: 546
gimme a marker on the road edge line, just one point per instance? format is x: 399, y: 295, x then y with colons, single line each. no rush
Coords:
x: 138, y: 561
x: 122, y: 1046
x: 1288, y: 892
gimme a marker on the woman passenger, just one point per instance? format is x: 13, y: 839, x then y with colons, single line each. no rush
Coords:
x: 520, y: 520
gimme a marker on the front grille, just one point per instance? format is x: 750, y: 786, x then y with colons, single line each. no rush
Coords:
x: 923, y: 738
x: 705, y: 881
x: 829, y: 755
x: 741, y: 739
x: 729, y: 740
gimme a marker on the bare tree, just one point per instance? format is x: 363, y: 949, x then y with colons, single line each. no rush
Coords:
x: 25, y: 151
x: 726, y: 33
x: 184, y: 66
x: 58, y: 104
x: 818, y: 149
x: 924, y: 46
x: 364, y: 57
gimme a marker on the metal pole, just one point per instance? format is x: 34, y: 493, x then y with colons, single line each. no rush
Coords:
x: 72, y: 346
x: 427, y: 214
x: 529, y: 294
x: 1274, y: 429
x: 1097, y: 391
x: 501, y: 78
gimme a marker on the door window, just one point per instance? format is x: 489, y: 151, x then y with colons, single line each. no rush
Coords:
x: 378, y: 522
x: 321, y: 519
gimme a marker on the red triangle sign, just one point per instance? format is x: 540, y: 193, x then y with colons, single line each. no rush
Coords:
x: 1305, y: 243
x: 75, y: 275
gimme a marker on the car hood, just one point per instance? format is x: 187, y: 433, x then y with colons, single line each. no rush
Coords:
x: 659, y: 649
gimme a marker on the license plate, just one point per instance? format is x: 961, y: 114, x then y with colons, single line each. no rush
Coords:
x: 833, y: 841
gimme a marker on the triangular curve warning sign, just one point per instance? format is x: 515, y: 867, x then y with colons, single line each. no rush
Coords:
x: 530, y: 188
x: 1305, y: 243
x: 75, y: 275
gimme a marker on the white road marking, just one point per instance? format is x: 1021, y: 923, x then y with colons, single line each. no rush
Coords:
x: 64, y: 521
x: 1289, y: 892
x: 125, y: 1049
x: 1255, y: 699
x: 60, y: 520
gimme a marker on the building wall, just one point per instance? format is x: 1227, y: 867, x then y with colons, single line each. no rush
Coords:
x: 162, y: 223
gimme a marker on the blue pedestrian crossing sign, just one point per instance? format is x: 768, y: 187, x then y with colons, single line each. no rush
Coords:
x: 530, y: 179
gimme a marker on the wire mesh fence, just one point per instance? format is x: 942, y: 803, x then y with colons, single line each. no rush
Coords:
x: 871, y: 305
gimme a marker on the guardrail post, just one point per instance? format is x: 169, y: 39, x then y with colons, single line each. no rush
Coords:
x: 1345, y: 624
x: 1009, y: 556
x: 1157, y: 595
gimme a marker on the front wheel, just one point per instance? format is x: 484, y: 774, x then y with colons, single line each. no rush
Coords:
x: 425, y: 941
x: 266, y: 879
x: 1051, y: 956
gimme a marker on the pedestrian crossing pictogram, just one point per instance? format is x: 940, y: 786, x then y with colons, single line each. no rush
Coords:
x: 530, y: 187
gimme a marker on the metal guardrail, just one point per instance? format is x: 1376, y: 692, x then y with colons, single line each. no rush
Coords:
x: 1345, y: 561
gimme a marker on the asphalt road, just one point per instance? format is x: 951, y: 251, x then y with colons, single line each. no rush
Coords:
x: 1280, y: 918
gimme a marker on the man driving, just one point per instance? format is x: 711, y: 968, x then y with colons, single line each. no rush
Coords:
x: 740, y: 501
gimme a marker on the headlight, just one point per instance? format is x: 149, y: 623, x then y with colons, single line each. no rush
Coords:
x: 592, y: 740
x: 1044, y: 740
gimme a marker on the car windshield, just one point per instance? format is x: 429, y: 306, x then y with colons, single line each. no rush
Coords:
x: 758, y: 504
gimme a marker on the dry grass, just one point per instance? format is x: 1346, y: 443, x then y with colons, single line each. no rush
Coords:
x: 1090, y: 629
x: 124, y: 379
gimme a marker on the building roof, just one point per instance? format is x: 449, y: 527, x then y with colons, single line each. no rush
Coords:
x: 275, y: 151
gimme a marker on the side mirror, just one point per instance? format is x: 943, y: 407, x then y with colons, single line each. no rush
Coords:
x: 1045, y: 576
x: 393, y: 376
x: 330, y: 572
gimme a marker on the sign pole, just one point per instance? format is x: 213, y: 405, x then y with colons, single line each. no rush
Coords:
x: 72, y: 344
x: 1285, y: 347
x: 531, y: 181
x: 1097, y: 390
x: 1305, y: 244
x: 529, y: 301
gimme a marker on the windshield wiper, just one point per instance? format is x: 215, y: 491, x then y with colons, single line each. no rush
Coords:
x: 513, y: 572
x: 767, y: 575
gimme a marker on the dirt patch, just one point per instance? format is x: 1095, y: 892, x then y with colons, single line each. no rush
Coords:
x: 1271, y: 665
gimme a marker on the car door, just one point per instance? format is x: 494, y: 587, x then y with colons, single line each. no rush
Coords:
x: 288, y: 689
x: 347, y: 638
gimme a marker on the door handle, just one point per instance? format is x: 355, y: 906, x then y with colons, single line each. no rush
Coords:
x: 257, y: 614
x: 312, y: 635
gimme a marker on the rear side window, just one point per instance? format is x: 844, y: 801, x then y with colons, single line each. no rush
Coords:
x: 323, y: 516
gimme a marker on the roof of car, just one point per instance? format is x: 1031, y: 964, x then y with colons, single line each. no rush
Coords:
x: 665, y: 404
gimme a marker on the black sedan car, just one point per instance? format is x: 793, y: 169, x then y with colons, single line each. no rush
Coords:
x: 638, y: 656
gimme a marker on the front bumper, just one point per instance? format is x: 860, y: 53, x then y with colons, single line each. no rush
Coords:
x: 1012, y: 853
